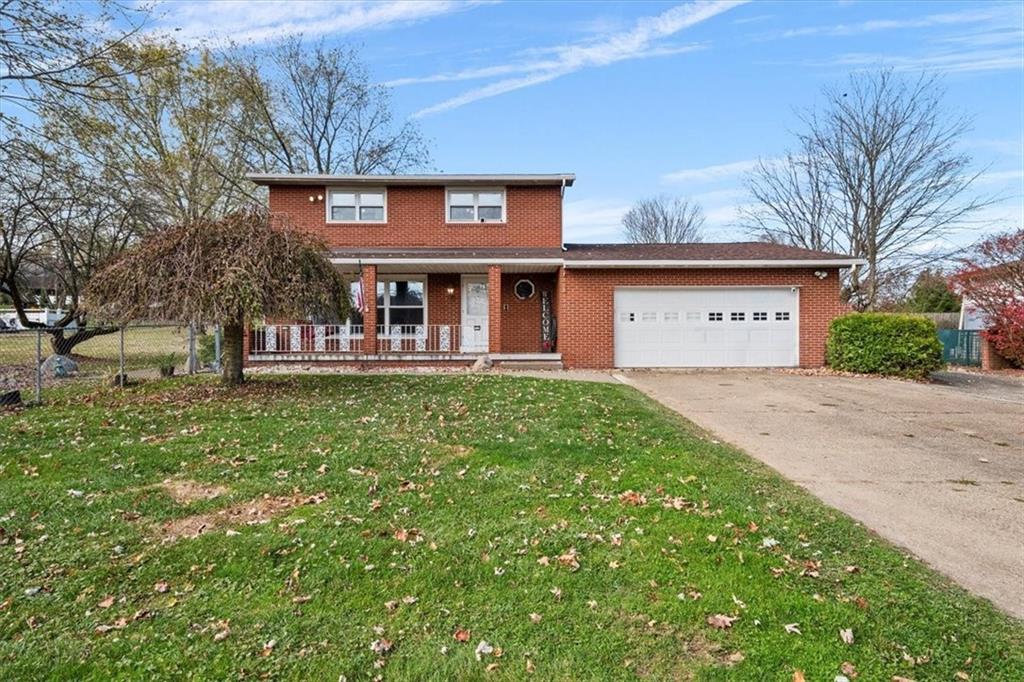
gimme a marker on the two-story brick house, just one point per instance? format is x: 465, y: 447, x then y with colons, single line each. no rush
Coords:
x: 446, y: 268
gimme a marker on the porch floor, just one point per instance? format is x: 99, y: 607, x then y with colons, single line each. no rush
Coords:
x: 403, y: 357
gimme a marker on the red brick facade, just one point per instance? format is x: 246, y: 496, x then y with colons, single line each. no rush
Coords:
x: 416, y: 217
x: 586, y: 323
x: 582, y: 298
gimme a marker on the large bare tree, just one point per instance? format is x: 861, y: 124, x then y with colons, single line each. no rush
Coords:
x: 878, y: 175
x: 171, y: 134
x: 664, y: 220
x: 232, y: 271
x: 793, y: 203
x: 50, y: 51
x: 320, y: 113
x: 58, y: 224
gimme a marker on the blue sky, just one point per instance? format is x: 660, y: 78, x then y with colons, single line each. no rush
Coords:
x: 645, y: 98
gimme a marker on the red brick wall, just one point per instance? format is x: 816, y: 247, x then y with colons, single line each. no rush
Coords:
x: 586, y: 321
x: 520, y: 320
x: 494, y: 308
x: 442, y: 308
x: 416, y: 217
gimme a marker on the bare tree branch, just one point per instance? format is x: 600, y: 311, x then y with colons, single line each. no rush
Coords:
x: 664, y: 220
x: 878, y: 176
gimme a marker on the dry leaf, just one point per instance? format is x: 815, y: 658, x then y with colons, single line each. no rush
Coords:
x: 792, y: 628
x: 535, y: 617
x: 106, y: 603
x: 720, y: 621
x: 848, y: 669
x: 268, y: 648
x: 633, y: 498
x: 380, y: 646
x: 483, y: 649
x: 798, y: 676
x: 462, y: 635
x: 846, y: 635
x: 161, y: 587
x: 529, y: 666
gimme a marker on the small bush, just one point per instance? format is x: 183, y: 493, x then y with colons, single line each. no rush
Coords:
x: 206, y: 349
x: 895, y: 345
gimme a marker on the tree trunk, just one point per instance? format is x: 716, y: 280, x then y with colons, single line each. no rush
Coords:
x: 231, y: 373
x: 63, y: 345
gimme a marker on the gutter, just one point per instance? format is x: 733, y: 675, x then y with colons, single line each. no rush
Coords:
x: 713, y: 264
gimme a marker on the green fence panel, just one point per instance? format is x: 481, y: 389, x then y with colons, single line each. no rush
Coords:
x: 961, y: 346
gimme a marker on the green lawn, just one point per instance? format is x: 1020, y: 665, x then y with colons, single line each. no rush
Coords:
x: 579, y: 529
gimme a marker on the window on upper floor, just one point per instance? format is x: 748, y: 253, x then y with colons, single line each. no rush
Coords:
x: 356, y: 205
x: 475, y: 205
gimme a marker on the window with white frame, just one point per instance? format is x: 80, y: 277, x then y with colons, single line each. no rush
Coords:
x: 401, y: 304
x: 356, y: 205
x: 475, y: 206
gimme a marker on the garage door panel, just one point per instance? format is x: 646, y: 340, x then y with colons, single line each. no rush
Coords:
x: 706, y: 327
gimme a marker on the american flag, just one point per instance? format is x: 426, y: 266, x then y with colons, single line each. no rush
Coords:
x: 359, y: 296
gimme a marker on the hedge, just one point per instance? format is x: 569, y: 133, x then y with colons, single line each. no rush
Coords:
x: 894, y: 345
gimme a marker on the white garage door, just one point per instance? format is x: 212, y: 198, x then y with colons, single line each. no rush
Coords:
x: 706, y: 327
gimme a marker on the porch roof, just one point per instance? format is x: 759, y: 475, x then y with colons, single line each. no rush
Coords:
x: 466, y: 260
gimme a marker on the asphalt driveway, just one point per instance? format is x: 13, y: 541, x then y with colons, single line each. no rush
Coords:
x: 935, y: 468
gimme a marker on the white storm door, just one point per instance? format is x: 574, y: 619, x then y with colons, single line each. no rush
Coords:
x: 474, y: 314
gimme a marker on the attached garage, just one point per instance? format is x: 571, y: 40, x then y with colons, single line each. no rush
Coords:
x: 707, y: 326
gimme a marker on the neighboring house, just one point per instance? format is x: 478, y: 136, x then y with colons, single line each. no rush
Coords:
x: 971, y: 318
x: 47, y: 316
x: 446, y: 268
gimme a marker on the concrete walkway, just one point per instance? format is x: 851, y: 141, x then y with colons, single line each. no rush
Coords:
x: 937, y: 469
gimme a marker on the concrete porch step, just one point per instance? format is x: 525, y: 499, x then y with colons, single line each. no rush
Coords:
x: 529, y: 364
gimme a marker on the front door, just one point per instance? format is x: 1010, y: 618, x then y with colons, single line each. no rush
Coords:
x: 474, y: 314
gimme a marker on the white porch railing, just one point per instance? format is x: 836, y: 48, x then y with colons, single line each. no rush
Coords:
x: 283, y: 339
x: 419, y: 338
x: 333, y: 339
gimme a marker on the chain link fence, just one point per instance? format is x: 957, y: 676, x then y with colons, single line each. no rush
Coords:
x: 30, y: 367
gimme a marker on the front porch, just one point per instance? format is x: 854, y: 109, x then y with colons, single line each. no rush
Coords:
x: 432, y: 315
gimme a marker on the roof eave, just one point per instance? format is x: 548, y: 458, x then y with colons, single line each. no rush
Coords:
x: 553, y: 179
x: 715, y: 264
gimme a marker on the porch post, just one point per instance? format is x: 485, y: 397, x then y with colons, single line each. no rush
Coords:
x: 494, y: 308
x: 369, y: 276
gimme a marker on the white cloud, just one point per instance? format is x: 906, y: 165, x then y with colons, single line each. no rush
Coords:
x: 220, y: 22
x: 641, y: 41
x: 949, y: 62
x: 593, y: 220
x: 714, y: 173
x: 928, y: 21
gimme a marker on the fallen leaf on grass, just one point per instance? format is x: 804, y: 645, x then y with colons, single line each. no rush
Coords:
x: 720, y: 621
x: 798, y: 676
x: 530, y: 667
x: 535, y: 617
x: 483, y: 649
x: 848, y: 669
x: 301, y: 599
x: 268, y: 648
x: 381, y: 646
x: 106, y: 603
x: 846, y: 635
x: 792, y: 628
x: 569, y: 560
x: 161, y: 587
x: 462, y: 635
x: 633, y: 498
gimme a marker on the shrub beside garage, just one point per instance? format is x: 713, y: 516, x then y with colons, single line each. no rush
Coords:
x: 891, y: 345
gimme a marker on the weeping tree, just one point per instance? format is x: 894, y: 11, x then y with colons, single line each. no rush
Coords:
x: 233, y: 271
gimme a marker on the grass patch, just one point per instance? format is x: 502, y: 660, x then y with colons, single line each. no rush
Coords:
x: 580, y: 530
